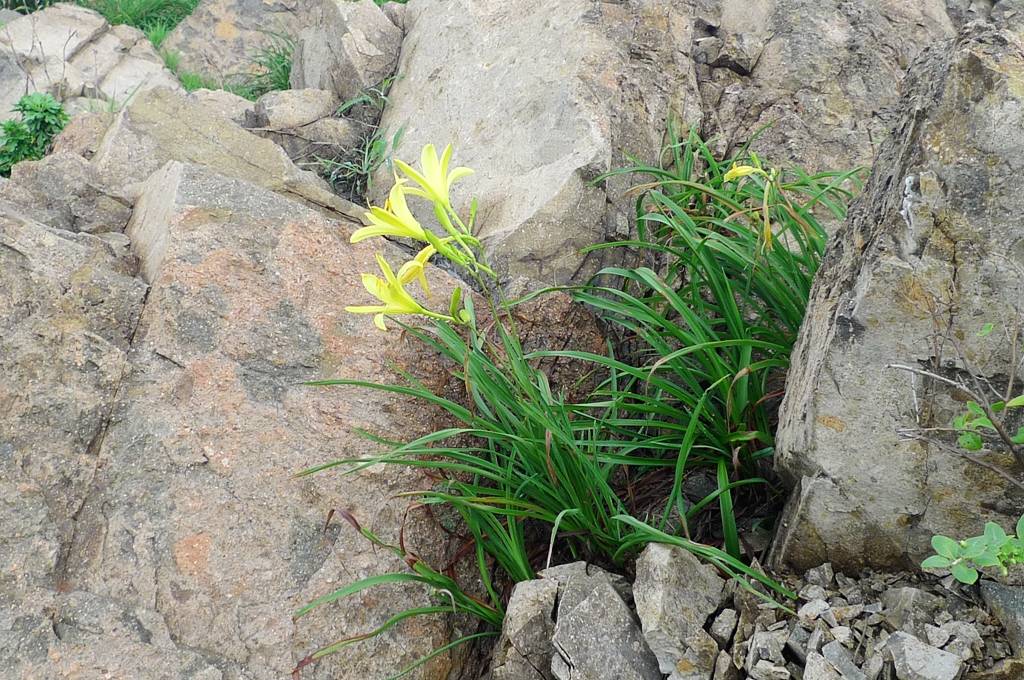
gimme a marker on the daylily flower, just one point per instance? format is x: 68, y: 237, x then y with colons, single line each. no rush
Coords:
x: 434, y: 179
x: 416, y: 269
x: 738, y: 171
x: 395, y: 299
x: 394, y: 219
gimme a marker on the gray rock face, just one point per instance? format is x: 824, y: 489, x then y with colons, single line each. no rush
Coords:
x: 221, y: 38
x: 65, y: 191
x: 159, y: 126
x: 223, y: 103
x: 71, y: 52
x: 524, y: 651
x: 347, y: 47
x: 597, y: 636
x: 190, y: 516
x: 824, y: 74
x: 914, y: 660
x: 1007, y: 603
x: 675, y: 594
x: 930, y: 235
x: 302, y: 122
x: 539, y: 99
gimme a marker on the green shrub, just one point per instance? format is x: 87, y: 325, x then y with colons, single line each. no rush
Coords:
x: 42, y: 118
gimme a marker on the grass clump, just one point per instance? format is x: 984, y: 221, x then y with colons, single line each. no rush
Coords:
x: 270, y: 71
x: 704, y: 329
x: 42, y: 118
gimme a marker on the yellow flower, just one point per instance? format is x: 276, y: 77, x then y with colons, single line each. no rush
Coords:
x: 434, y: 179
x: 394, y: 219
x: 416, y: 269
x: 395, y: 299
x: 738, y: 171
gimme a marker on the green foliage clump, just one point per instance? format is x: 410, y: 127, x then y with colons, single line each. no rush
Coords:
x: 42, y: 118
x: 706, y: 328
x: 993, y: 549
x: 271, y: 71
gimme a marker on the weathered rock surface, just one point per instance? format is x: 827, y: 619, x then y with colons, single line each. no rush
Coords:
x: 675, y: 594
x: 158, y: 126
x: 540, y: 99
x: 65, y: 191
x: 914, y: 660
x: 824, y: 74
x: 348, y: 46
x: 1007, y: 603
x: 302, y: 122
x: 71, y: 52
x: 166, y: 499
x: 221, y: 38
x: 223, y: 103
x: 928, y: 256
x: 524, y: 651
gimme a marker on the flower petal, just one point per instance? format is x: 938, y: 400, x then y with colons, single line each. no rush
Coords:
x: 378, y: 321
x: 457, y: 174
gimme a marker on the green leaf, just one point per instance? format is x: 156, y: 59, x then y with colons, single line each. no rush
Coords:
x: 982, y: 422
x: 936, y: 562
x: 994, y: 534
x: 973, y: 547
x: 1020, y: 528
x: 453, y: 305
x: 960, y: 421
x: 973, y: 407
x: 964, y: 574
x: 1016, y: 402
x: 970, y: 440
x: 987, y: 559
x: 998, y: 407
x: 986, y: 330
x: 945, y: 546
x: 1019, y: 437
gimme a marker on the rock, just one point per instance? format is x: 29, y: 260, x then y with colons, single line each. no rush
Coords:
x: 65, y: 191
x: 69, y: 52
x: 8, y: 15
x: 675, y: 594
x: 160, y: 126
x: 765, y: 645
x: 347, y: 47
x: 222, y: 38
x: 540, y: 99
x: 910, y: 609
x: 723, y: 627
x: 524, y: 650
x: 821, y: 576
x: 223, y: 103
x: 576, y: 579
x: 83, y: 134
x: 914, y: 660
x: 193, y: 514
x: 824, y: 75
x: 1010, y: 669
x: 813, y: 610
x: 597, y: 636
x: 724, y: 669
x: 839, y: 658
x: 301, y: 122
x: 930, y: 225
x: 765, y: 670
x: 797, y: 641
x: 818, y: 668
x: 1007, y: 603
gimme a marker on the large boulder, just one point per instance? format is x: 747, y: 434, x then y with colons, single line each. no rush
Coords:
x: 824, y: 74
x: 348, y: 47
x: 222, y: 38
x: 72, y: 52
x: 540, y: 98
x: 161, y: 532
x: 160, y: 126
x: 930, y: 253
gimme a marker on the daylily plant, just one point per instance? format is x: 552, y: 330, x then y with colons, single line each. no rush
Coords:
x: 433, y: 183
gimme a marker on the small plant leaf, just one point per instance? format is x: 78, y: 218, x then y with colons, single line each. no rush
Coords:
x: 1019, y: 437
x: 1016, y: 402
x: 998, y: 407
x: 960, y: 421
x: 973, y: 407
x: 964, y: 574
x: 987, y: 559
x: 973, y: 547
x: 1020, y: 528
x: 986, y: 330
x: 994, y: 534
x: 982, y: 422
x: 945, y: 546
x: 936, y: 562
x: 971, y: 441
